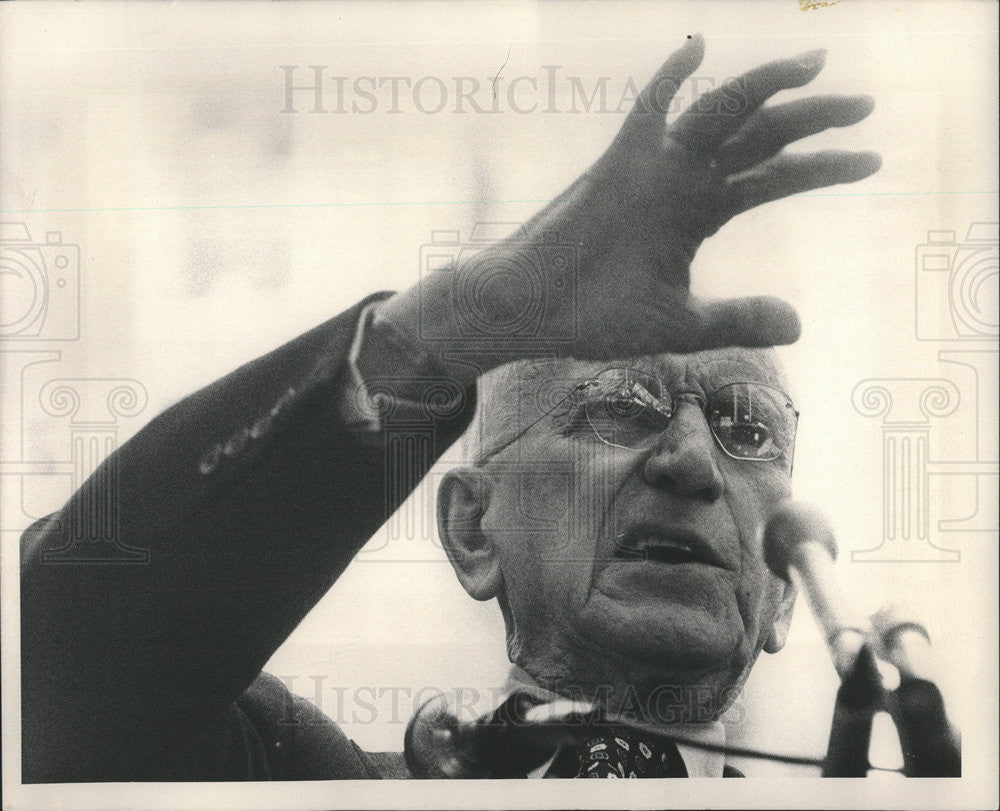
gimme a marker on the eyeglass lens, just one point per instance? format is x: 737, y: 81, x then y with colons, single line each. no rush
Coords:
x: 629, y: 408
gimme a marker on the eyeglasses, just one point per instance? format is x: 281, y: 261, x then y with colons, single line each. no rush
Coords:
x: 626, y: 407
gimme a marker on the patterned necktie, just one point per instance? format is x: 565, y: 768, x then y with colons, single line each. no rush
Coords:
x: 511, y: 741
x: 620, y: 753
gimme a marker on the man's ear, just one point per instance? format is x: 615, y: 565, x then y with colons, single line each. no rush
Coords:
x: 461, y: 504
x: 782, y: 620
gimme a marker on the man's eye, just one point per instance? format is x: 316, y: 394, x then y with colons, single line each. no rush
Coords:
x: 573, y: 413
x: 621, y: 404
x: 572, y: 421
x: 749, y: 439
x: 752, y: 435
x: 593, y: 410
x: 622, y: 412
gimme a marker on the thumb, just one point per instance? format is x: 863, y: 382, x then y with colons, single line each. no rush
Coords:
x: 753, y: 321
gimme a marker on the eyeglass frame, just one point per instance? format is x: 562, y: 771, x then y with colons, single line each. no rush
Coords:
x: 703, y: 404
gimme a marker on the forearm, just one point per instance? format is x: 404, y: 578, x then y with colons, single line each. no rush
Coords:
x: 248, y: 499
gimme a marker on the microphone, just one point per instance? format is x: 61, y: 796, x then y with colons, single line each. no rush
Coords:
x: 903, y: 641
x: 799, y: 546
x: 441, y: 741
x: 929, y: 743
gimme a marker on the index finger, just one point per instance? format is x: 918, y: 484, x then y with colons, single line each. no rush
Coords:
x: 719, y: 113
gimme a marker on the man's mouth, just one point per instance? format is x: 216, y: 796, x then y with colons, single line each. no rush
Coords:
x: 657, y: 545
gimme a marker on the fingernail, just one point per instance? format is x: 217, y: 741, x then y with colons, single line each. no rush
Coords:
x: 856, y: 108
x: 812, y: 60
x: 871, y: 161
x: 863, y: 164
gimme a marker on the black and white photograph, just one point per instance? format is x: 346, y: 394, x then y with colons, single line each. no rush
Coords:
x: 430, y: 404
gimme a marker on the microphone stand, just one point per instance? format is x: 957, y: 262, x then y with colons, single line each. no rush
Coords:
x: 930, y: 748
x: 929, y: 745
x: 799, y: 546
x: 858, y: 699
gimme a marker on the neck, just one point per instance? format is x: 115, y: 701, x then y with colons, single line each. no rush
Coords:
x: 697, y: 742
x: 659, y: 710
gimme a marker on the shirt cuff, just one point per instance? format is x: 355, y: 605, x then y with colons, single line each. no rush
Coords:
x: 357, y: 409
x: 391, y: 379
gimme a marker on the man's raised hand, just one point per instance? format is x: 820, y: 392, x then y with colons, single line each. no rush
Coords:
x: 641, y: 212
x: 635, y: 220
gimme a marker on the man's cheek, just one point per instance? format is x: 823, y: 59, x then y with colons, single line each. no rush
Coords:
x: 531, y: 508
x: 564, y: 527
x: 773, y: 481
x: 752, y: 497
x: 758, y: 596
x: 748, y: 515
x: 572, y: 574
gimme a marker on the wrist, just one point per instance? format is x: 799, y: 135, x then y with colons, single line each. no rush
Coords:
x: 490, y: 305
x: 402, y: 344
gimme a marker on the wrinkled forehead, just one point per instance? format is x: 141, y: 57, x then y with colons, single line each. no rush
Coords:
x: 514, y: 397
x: 712, y: 368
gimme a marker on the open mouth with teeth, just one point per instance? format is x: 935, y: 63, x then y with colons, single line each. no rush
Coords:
x: 672, y: 549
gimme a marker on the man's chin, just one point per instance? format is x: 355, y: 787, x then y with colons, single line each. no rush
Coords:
x: 685, y: 637
x: 654, y: 686
x: 635, y: 581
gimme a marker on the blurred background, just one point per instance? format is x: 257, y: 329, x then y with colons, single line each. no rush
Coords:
x: 190, y: 211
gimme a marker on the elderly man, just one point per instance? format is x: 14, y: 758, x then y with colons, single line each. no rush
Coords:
x: 628, y: 445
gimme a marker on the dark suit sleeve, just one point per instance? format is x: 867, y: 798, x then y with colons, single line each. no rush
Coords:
x: 154, y: 597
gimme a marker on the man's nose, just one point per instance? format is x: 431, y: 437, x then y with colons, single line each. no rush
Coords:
x: 684, y: 458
